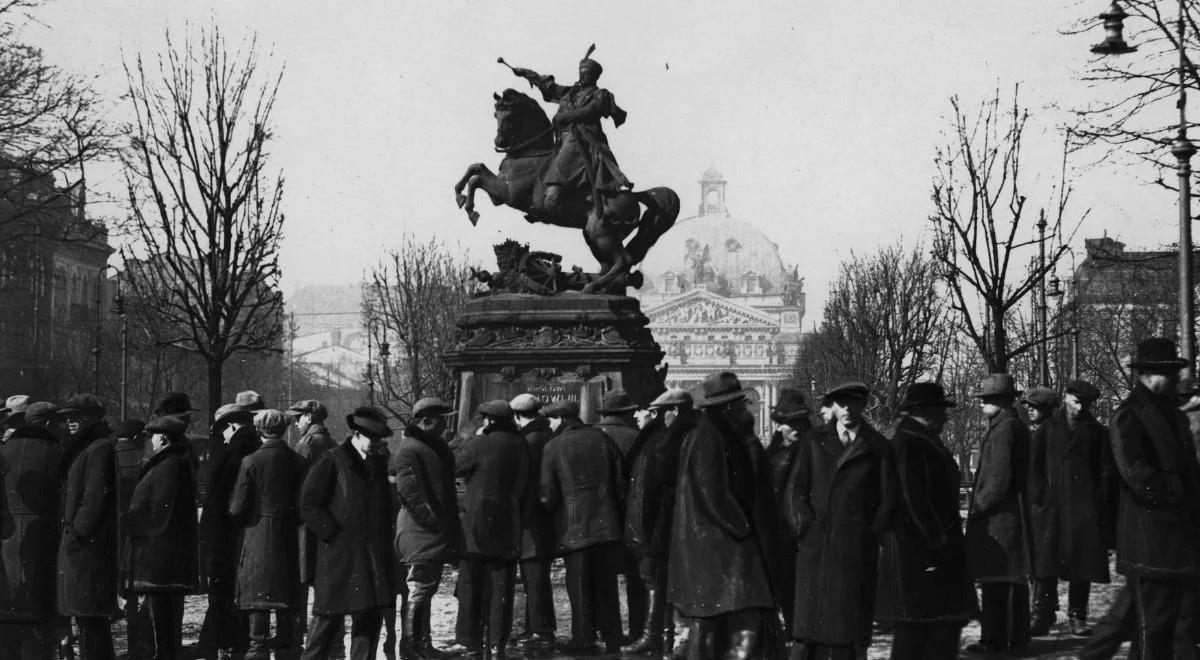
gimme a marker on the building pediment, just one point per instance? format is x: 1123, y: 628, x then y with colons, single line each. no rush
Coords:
x: 704, y: 309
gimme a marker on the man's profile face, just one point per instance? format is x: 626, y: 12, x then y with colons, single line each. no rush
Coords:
x: 303, y: 422
x: 431, y: 424
x: 555, y: 422
x: 77, y: 423
x: 642, y: 416
x: 991, y: 406
x: 848, y: 410
x: 1160, y: 382
x: 587, y: 76
x: 1074, y: 407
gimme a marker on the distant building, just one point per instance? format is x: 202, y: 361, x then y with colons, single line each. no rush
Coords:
x: 719, y: 296
x: 330, y: 342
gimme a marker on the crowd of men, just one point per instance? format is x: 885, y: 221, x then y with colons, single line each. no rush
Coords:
x: 728, y: 548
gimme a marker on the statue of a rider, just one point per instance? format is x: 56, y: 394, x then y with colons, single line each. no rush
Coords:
x: 583, y: 159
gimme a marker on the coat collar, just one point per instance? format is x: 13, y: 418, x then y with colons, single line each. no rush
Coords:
x: 538, y: 424
x: 315, y: 428
x: 1008, y: 414
x: 173, y: 449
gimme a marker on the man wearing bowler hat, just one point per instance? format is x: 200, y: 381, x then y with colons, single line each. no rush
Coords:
x: 538, y: 545
x: 617, y: 422
x: 998, y: 537
x: 428, y: 532
x: 840, y: 498
x: 494, y: 467
x: 345, y: 501
x: 583, y: 484
x: 1072, y: 492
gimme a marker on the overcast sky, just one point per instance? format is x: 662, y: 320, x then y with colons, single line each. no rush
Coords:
x: 822, y: 116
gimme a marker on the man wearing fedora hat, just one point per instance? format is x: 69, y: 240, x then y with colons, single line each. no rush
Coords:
x: 924, y: 591
x: 176, y: 404
x: 840, y: 497
x: 583, y: 484
x: 791, y: 416
x: 650, y: 507
x: 345, y: 501
x: 87, y: 557
x: 998, y: 536
x: 1072, y: 493
x: 428, y: 532
x: 538, y: 544
x: 1158, y: 516
x: 30, y: 485
x: 617, y: 422
x: 12, y: 415
x: 494, y: 467
x: 723, y: 566
x: 225, y: 629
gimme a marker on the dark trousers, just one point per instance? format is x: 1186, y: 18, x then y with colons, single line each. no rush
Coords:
x: 27, y: 641
x: 139, y: 635
x: 287, y: 622
x: 1004, y: 615
x: 1045, y: 601
x: 166, y: 624
x: 1159, y: 605
x: 1114, y: 628
x: 338, y: 650
x: 224, y: 624
x: 592, y: 590
x: 485, y: 599
x: 95, y: 638
x: 364, y: 635
x: 635, y: 591
x: 926, y: 641
x: 539, y: 597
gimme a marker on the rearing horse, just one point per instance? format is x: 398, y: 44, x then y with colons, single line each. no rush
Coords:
x: 526, y: 137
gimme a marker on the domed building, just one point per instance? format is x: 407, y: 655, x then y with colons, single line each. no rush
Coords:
x: 719, y: 296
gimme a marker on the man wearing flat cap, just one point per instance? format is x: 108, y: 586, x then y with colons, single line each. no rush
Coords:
x: 232, y: 438
x: 32, y: 458
x: 1158, y: 515
x: 617, y: 422
x: 428, y: 532
x: 583, y: 485
x: 494, y: 467
x: 998, y: 537
x: 924, y: 592
x: 1072, y: 492
x: 538, y: 545
x: 345, y: 501
x: 87, y: 557
x: 650, y: 506
x: 840, y: 498
x: 1040, y: 404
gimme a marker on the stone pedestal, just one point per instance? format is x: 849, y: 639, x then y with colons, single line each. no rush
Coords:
x: 567, y: 346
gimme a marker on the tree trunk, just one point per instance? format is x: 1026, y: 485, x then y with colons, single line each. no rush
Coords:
x: 215, y: 375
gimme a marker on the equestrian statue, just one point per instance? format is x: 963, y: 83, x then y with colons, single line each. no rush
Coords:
x: 562, y: 172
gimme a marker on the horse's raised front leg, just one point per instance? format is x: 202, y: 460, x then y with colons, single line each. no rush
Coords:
x: 477, y: 176
x: 609, y: 250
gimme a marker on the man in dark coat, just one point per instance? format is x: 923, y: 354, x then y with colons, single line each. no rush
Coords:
x: 29, y: 535
x: 924, y: 591
x: 131, y: 454
x: 791, y: 416
x: 617, y: 421
x: 233, y: 438
x: 309, y: 416
x: 998, y: 537
x: 162, y: 562
x: 87, y: 557
x: 345, y: 501
x: 538, y: 542
x: 840, y: 499
x: 428, y: 532
x: 1072, y: 487
x: 1158, y: 517
x: 583, y: 484
x: 265, y: 500
x: 1040, y: 404
x: 650, y: 507
x: 494, y: 467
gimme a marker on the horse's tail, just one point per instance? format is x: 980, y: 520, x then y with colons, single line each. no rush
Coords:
x: 662, y: 208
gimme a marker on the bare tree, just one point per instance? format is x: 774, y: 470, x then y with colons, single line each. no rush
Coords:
x: 883, y: 322
x: 205, y: 211
x: 413, y: 300
x: 984, y: 234
x: 51, y: 128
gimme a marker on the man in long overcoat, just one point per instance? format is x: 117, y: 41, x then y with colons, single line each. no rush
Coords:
x: 131, y: 455
x: 87, y: 556
x: 494, y: 467
x: 266, y: 501
x: 30, y: 474
x: 650, y: 507
x: 1072, y: 487
x: 924, y: 591
x: 345, y: 501
x: 791, y: 416
x: 840, y: 499
x: 998, y: 537
x: 538, y: 544
x: 233, y: 438
x: 583, y: 484
x: 428, y: 532
x: 161, y: 562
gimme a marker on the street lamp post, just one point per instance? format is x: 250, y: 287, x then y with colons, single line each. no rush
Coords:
x: 1183, y: 149
x: 1043, y: 321
x: 119, y: 310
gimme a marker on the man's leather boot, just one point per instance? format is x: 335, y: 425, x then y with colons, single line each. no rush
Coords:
x: 651, y: 640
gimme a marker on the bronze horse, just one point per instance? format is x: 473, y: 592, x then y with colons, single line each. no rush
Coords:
x: 525, y: 135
